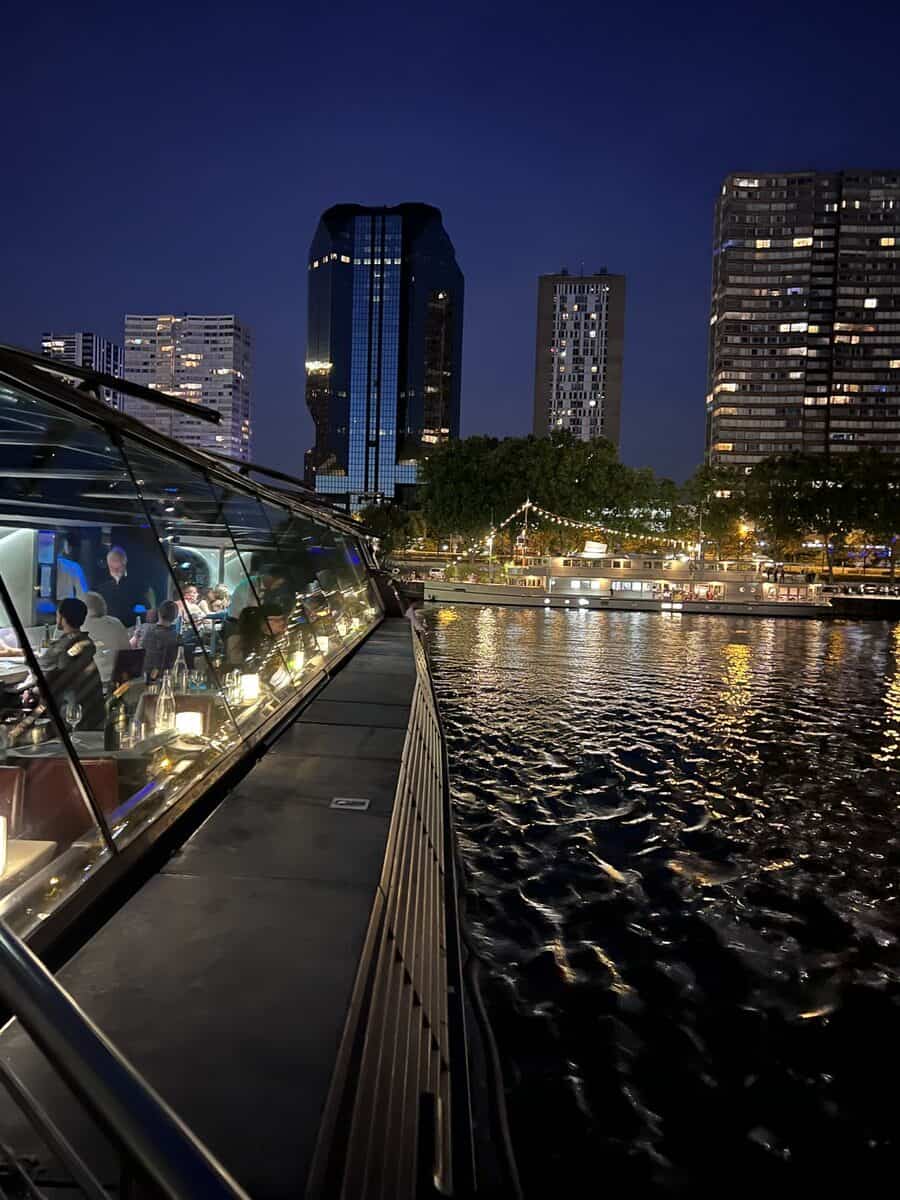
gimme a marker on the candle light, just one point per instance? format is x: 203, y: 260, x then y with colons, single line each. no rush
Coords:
x: 249, y: 688
x: 189, y: 722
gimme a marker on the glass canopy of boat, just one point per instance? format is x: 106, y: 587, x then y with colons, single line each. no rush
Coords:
x: 160, y: 611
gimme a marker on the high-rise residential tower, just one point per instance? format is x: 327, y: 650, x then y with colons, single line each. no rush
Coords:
x: 84, y: 349
x: 578, y: 359
x: 804, y: 339
x: 202, y: 359
x: 384, y: 348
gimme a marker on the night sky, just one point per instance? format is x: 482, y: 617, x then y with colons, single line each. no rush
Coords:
x: 170, y: 158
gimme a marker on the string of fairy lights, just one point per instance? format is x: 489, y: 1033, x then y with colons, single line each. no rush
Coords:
x: 529, y: 506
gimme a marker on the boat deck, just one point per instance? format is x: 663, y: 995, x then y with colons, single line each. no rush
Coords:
x: 226, y: 979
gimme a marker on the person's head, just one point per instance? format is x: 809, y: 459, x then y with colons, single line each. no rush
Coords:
x: 117, y: 562
x: 191, y: 594
x: 222, y: 593
x: 275, y: 621
x: 95, y: 604
x: 71, y: 614
x: 167, y: 613
x: 217, y: 604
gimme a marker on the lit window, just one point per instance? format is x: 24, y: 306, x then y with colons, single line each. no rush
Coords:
x: 802, y: 241
x: 895, y: 364
x: 763, y: 243
x: 888, y: 241
x: 345, y: 258
x: 870, y: 302
x: 725, y: 446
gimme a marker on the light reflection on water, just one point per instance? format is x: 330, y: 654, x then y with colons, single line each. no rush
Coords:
x: 681, y: 835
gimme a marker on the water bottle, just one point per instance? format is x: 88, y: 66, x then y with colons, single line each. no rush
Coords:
x: 180, y: 673
x: 165, y: 705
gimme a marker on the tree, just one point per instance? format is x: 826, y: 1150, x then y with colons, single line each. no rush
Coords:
x: 771, y: 497
x: 713, y: 497
x: 877, y: 484
x: 394, y: 527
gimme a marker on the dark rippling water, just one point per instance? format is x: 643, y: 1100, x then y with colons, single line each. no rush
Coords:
x: 682, y: 845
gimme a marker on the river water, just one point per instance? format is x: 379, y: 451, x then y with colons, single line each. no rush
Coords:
x: 681, y: 839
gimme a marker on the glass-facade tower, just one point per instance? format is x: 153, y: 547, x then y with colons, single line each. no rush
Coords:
x: 384, y: 348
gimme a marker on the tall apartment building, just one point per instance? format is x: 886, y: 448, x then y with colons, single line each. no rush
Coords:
x: 384, y: 349
x: 203, y: 359
x: 578, y: 358
x: 84, y: 349
x: 804, y: 339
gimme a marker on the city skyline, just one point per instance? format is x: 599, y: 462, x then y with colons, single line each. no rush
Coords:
x: 523, y: 189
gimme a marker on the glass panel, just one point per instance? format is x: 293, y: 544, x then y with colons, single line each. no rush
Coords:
x: 50, y: 540
x: 184, y: 714
x: 260, y: 654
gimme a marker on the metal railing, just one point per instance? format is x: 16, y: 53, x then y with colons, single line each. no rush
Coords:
x: 159, y: 1155
x: 397, y: 1123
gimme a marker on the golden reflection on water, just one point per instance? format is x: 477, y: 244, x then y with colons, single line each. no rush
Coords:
x: 735, y: 695
x: 892, y: 705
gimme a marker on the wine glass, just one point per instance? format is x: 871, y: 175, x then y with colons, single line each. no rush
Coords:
x: 72, y: 714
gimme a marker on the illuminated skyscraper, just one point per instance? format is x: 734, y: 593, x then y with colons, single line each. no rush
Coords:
x: 804, y: 339
x: 202, y: 359
x: 384, y: 347
x: 83, y: 349
x: 578, y: 359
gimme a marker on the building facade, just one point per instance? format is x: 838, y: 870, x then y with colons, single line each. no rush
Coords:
x: 384, y: 349
x: 579, y: 353
x: 202, y: 359
x: 804, y: 338
x: 84, y: 349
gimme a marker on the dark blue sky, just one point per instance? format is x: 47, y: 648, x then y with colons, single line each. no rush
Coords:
x: 176, y: 158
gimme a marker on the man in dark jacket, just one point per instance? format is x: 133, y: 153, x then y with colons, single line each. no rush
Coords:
x: 118, y: 589
x: 68, y: 665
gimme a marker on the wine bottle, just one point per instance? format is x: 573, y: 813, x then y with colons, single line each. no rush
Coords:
x: 180, y: 673
x: 165, y: 705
